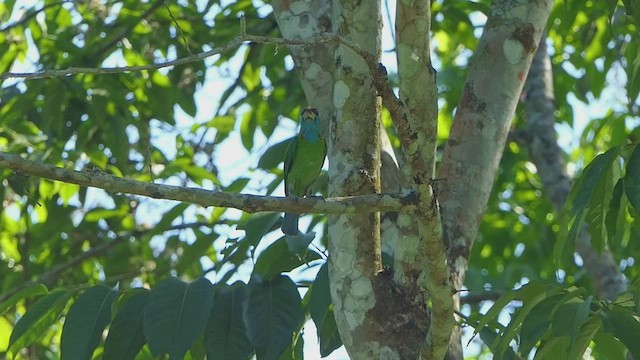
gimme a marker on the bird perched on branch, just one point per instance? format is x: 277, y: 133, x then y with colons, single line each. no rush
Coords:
x: 303, y: 161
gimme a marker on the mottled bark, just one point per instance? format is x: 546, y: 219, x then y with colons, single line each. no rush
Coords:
x: 383, y: 314
x: 354, y: 168
x: 314, y: 63
x: 495, y: 79
x: 420, y: 261
x: 540, y: 139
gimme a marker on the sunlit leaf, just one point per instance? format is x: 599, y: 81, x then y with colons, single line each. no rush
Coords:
x: 24, y: 293
x: 38, y: 318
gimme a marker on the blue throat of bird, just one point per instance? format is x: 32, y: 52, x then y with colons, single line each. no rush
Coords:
x: 310, y: 129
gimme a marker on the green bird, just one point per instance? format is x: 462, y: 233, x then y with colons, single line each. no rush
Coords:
x: 302, y: 163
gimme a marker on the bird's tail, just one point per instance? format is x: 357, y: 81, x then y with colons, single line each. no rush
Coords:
x: 290, y: 224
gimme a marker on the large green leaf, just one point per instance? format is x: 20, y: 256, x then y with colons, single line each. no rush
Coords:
x: 38, y: 318
x: 537, y: 323
x: 126, y: 337
x: 608, y: 345
x: 623, y: 325
x: 321, y: 311
x: 176, y: 314
x: 272, y: 315
x: 277, y: 259
x: 555, y: 348
x: 225, y: 336
x: 87, y: 318
x: 587, y: 332
x: 569, y: 318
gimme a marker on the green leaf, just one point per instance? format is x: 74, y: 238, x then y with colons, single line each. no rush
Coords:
x: 87, y: 318
x: 537, y: 323
x: 224, y: 125
x: 255, y: 227
x: 596, y: 179
x: 632, y: 53
x: 587, y: 332
x: 248, y: 130
x: 272, y: 315
x: 176, y: 314
x: 597, y: 213
x: 530, y: 299
x: 277, y: 259
x: 632, y: 179
x: 26, y: 292
x: 568, y: 319
x: 197, y: 173
x: 608, y: 345
x: 194, y: 251
x: 555, y: 348
x: 119, y: 141
x: 490, y: 337
x: 126, y: 337
x: 225, y: 337
x: 321, y: 311
x: 237, y: 185
x: 38, y: 318
x: 624, y: 326
x: 526, y: 292
x: 615, y: 211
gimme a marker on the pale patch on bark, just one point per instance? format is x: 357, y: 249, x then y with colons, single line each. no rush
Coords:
x: 340, y: 94
x: 513, y: 51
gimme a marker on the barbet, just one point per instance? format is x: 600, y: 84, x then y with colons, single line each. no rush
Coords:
x: 302, y: 163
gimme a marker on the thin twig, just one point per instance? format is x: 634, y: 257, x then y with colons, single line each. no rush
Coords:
x: 179, y: 28
x: 129, y: 27
x: 377, y: 70
x: 236, y: 42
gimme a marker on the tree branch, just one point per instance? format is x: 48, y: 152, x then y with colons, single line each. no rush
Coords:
x: 249, y: 203
x: 236, y: 42
x: 56, y: 270
x: 544, y: 151
x: 377, y: 70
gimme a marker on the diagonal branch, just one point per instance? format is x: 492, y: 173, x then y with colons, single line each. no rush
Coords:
x: 540, y: 139
x: 249, y: 203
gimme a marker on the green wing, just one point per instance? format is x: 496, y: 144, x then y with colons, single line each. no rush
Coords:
x: 289, y: 154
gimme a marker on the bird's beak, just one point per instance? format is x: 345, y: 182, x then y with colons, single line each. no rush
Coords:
x: 309, y: 114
